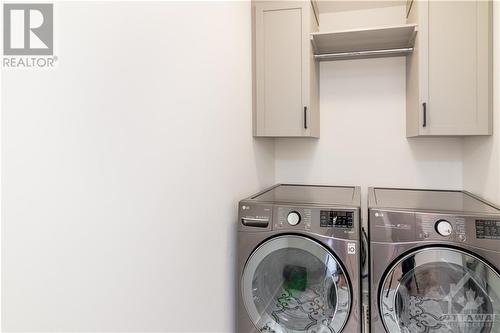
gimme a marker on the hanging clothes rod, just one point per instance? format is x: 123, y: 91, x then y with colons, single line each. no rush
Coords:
x: 364, y: 54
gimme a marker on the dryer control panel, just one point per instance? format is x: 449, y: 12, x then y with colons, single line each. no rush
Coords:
x: 404, y: 227
x: 440, y: 227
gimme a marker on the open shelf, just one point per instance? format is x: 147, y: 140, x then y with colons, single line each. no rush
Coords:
x: 364, y: 43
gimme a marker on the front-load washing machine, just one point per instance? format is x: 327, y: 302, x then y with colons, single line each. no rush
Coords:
x: 298, y: 260
x: 435, y: 260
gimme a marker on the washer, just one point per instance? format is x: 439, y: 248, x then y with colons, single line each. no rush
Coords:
x: 435, y: 260
x: 298, y: 260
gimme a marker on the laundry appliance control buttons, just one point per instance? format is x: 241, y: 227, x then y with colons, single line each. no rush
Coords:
x: 293, y: 218
x: 444, y: 228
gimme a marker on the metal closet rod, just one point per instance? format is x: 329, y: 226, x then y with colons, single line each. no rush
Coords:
x: 363, y: 53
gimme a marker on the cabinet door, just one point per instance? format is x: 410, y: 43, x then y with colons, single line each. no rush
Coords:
x: 279, y: 61
x: 454, y: 68
x: 449, y: 82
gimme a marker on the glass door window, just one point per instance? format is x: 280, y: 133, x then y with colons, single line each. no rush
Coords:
x: 293, y: 284
x: 441, y: 290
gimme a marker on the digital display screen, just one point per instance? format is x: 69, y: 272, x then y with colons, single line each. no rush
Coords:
x: 338, y: 219
x: 487, y: 229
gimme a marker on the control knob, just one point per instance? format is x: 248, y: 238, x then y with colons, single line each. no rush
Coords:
x: 444, y: 228
x: 293, y: 218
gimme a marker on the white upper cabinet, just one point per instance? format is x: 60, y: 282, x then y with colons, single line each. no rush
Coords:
x: 449, y: 73
x: 286, y: 96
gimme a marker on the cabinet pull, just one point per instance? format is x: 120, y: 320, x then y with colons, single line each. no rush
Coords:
x: 424, y: 123
x: 305, y: 117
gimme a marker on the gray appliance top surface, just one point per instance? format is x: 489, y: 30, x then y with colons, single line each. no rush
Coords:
x: 311, y: 194
x: 429, y: 200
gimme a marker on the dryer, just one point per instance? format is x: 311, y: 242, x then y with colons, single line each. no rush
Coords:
x: 298, y: 260
x: 435, y: 260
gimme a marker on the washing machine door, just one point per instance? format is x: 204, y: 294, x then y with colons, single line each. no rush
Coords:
x: 440, y: 290
x: 294, y: 284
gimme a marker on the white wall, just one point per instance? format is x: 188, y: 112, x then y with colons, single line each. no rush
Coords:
x: 363, y: 140
x: 482, y: 154
x: 122, y: 169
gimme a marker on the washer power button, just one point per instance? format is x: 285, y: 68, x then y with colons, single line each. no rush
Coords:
x: 444, y: 228
x: 293, y: 218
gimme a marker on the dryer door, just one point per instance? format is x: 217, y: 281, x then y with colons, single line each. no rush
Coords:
x: 440, y: 289
x: 294, y: 284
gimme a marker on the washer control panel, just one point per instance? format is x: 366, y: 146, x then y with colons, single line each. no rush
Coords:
x: 331, y: 222
x: 488, y: 229
x: 295, y: 217
x: 338, y: 219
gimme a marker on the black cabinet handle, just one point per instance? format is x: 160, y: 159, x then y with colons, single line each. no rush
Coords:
x: 305, y: 117
x: 424, y: 123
